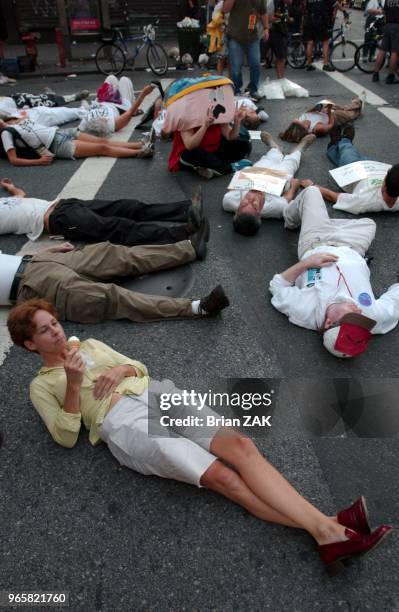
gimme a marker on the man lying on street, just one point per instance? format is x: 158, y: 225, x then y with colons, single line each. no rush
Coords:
x: 79, y: 281
x: 328, y: 289
x: 127, y: 222
x: 374, y: 194
x: 10, y: 104
x: 110, y: 393
x: 250, y: 207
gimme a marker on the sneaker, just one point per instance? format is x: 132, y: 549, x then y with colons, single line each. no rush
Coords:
x: 310, y: 67
x: 268, y: 140
x: 208, y: 173
x: 305, y: 142
x: 195, y: 213
x: 348, y: 131
x: 82, y: 95
x: 328, y: 68
x: 239, y: 165
x: 200, y: 238
x: 214, y: 303
x: 147, y: 150
x: 390, y: 80
x: 376, y: 77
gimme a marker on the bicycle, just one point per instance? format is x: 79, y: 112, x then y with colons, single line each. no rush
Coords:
x: 296, y: 51
x: 365, y: 53
x: 113, y: 55
x: 342, y: 54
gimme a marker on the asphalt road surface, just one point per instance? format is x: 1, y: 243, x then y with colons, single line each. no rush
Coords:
x: 74, y: 520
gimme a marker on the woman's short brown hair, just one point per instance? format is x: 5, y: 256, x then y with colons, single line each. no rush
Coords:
x: 20, y: 319
x: 293, y: 133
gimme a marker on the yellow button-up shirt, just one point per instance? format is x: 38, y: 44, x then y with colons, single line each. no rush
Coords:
x: 47, y: 393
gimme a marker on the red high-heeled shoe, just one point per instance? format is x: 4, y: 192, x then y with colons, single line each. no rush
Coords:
x: 356, y: 517
x: 334, y: 555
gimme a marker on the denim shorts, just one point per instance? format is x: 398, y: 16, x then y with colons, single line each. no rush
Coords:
x: 63, y: 145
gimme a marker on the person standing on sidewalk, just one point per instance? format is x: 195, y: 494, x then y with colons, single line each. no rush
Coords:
x: 315, y: 29
x: 390, y: 42
x: 242, y: 36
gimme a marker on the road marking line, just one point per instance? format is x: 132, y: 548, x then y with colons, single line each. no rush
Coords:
x: 391, y: 113
x: 84, y: 184
x: 354, y: 87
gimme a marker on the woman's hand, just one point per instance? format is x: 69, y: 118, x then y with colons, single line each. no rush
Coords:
x: 74, y: 368
x: 107, y: 382
x: 209, y: 119
x: 239, y: 114
x: 6, y: 183
x: 45, y: 160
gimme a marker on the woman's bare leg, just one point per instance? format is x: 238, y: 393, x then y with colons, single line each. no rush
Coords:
x: 106, y: 141
x: 90, y: 149
x: 225, y: 481
x: 272, y: 488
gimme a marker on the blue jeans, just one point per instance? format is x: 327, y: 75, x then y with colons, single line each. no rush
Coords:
x: 344, y: 152
x: 237, y: 52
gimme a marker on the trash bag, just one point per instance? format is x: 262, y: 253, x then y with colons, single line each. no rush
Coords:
x: 293, y: 90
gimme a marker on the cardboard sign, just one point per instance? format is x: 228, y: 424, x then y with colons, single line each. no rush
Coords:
x: 262, y: 179
x: 357, y: 171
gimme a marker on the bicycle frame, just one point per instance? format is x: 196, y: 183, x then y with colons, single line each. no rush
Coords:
x: 146, y: 38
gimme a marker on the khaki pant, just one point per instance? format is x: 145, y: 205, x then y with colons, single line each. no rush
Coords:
x: 347, y: 114
x: 309, y: 211
x: 73, y: 282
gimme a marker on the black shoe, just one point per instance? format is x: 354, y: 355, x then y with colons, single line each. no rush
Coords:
x: 376, y: 77
x: 195, y: 213
x: 348, y: 131
x: 310, y: 67
x: 328, y: 68
x: 390, y: 80
x: 213, y: 303
x: 200, y: 238
x: 335, y: 136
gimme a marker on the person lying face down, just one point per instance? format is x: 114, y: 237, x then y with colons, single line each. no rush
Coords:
x: 112, y: 395
x: 250, y: 207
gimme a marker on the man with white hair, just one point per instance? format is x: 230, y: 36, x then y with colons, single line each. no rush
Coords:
x: 251, y: 206
x: 329, y: 289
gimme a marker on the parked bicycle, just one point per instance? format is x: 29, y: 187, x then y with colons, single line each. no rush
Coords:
x: 365, y: 54
x: 342, y: 54
x: 114, y: 55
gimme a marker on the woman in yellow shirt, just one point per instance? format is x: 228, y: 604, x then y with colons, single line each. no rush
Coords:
x: 112, y: 395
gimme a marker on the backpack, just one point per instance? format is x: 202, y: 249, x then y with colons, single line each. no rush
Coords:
x: 27, y: 152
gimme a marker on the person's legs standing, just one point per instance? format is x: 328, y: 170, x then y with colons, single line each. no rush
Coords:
x: 236, y: 58
x: 343, y: 153
x: 253, y: 56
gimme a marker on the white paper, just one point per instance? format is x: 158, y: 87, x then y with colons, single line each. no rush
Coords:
x: 254, y: 134
x: 262, y: 179
x: 357, y: 171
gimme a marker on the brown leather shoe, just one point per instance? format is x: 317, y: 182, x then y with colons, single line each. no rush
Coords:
x: 214, y: 303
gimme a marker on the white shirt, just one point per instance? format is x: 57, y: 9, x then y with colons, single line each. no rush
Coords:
x: 366, y: 197
x: 314, y: 118
x: 274, y: 206
x: 23, y: 216
x: 8, y: 107
x: 34, y: 134
x: 107, y: 111
x: 8, y: 266
x: 373, y: 5
x: 305, y: 303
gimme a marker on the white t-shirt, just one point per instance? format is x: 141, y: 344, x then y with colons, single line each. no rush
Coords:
x: 305, y: 303
x: 314, y: 118
x: 366, y: 197
x: 8, y: 266
x: 107, y: 111
x: 373, y: 5
x: 274, y: 206
x: 34, y: 134
x: 8, y: 107
x: 23, y: 216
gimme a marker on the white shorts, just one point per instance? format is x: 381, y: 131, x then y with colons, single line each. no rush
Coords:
x: 134, y: 436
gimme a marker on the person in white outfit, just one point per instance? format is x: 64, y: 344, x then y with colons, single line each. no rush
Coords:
x: 103, y: 118
x: 329, y: 289
x: 249, y: 207
x: 50, y: 117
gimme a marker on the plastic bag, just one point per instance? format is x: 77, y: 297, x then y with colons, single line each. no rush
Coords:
x: 272, y: 90
x: 293, y: 90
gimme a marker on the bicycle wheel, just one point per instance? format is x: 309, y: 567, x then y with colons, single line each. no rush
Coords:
x: 364, y: 57
x: 342, y: 56
x: 296, y: 55
x: 110, y: 59
x: 157, y: 59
